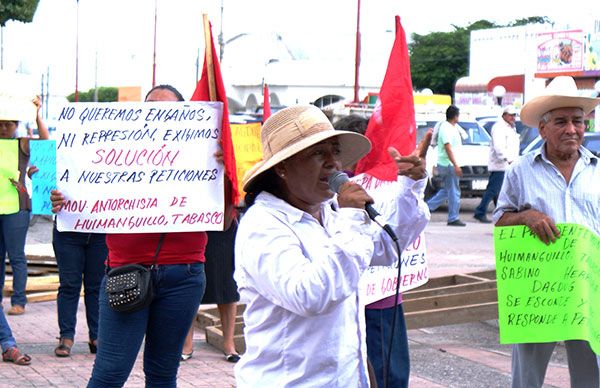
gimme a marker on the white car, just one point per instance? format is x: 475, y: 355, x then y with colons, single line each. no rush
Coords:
x: 473, y: 159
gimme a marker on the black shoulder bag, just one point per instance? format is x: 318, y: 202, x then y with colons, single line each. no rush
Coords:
x: 129, y: 287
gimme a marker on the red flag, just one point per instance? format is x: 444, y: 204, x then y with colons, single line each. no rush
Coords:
x: 266, y: 104
x: 202, y: 94
x: 393, y: 120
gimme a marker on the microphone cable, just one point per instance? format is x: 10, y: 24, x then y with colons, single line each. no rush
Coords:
x: 335, y: 181
x: 386, y: 370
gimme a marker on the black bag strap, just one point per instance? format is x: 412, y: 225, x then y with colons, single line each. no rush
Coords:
x: 160, y: 243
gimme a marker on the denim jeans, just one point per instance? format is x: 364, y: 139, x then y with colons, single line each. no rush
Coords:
x: 379, y: 325
x: 450, y: 192
x: 178, y: 290
x: 80, y: 258
x: 6, y: 338
x: 13, y: 228
x: 491, y: 192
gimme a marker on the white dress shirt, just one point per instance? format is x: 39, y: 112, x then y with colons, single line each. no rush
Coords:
x: 304, y: 320
x: 505, y: 146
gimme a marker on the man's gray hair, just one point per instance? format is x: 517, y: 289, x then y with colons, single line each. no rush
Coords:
x: 546, y: 116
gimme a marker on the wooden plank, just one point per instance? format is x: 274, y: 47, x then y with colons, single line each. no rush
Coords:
x: 41, y: 259
x: 417, y: 293
x: 441, y: 281
x: 207, y: 317
x: 450, y: 280
x: 211, y: 317
x: 41, y: 283
x: 37, y: 280
x: 42, y: 296
x: 452, y: 300
x: 487, y: 274
x: 452, y: 315
x: 467, y: 279
x: 214, y: 336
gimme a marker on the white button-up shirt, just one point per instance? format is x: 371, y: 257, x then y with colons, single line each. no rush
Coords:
x: 304, y: 320
x: 505, y: 146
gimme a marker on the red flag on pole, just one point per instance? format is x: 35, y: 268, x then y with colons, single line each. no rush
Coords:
x: 266, y: 103
x: 211, y: 78
x: 393, y: 120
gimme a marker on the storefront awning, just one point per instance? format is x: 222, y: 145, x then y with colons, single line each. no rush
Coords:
x: 512, y: 83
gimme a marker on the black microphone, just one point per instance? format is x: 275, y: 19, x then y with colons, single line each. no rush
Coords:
x: 337, y: 179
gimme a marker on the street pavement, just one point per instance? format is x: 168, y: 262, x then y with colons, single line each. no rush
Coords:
x: 464, y: 355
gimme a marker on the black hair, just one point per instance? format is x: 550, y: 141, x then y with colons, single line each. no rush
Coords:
x: 352, y: 123
x: 166, y: 87
x: 267, y: 181
x: 452, y: 112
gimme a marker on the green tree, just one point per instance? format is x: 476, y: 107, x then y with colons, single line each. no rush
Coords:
x: 439, y: 59
x: 105, y: 94
x: 20, y: 10
x: 531, y: 20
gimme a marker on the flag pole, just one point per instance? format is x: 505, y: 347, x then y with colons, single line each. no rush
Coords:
x: 77, y: 57
x: 212, y: 89
x: 357, y: 53
x: 154, y: 52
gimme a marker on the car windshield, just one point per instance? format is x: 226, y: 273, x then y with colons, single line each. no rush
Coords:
x: 477, y: 135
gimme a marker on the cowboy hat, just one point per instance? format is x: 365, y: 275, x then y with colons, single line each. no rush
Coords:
x: 296, y: 128
x: 560, y: 93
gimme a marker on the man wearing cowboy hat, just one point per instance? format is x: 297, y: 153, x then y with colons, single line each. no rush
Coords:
x: 549, y: 186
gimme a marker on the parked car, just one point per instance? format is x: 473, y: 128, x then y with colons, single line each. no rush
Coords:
x: 473, y: 158
x: 526, y: 133
x: 591, y: 141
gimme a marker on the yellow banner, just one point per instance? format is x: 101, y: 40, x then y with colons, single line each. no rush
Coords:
x: 247, y: 146
x: 9, y: 170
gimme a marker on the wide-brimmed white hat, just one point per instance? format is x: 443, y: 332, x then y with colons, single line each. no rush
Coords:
x: 296, y: 128
x: 560, y: 93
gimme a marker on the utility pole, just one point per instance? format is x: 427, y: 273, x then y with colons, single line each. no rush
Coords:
x: 96, y: 78
x: 77, y: 57
x: 47, y: 93
x: 154, y: 54
x: 1, y: 47
x: 221, y: 41
x: 357, y: 54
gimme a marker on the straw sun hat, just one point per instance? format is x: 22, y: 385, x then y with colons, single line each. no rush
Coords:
x: 296, y: 128
x: 560, y: 93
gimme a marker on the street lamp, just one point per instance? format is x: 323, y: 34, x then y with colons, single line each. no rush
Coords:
x: 499, y: 91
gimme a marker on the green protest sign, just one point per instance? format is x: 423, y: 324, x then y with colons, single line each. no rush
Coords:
x: 9, y: 170
x: 548, y: 293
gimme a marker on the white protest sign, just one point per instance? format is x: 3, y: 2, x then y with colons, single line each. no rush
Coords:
x: 380, y: 282
x: 133, y: 167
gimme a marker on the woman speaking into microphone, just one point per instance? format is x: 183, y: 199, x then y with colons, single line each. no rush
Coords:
x: 301, y: 252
